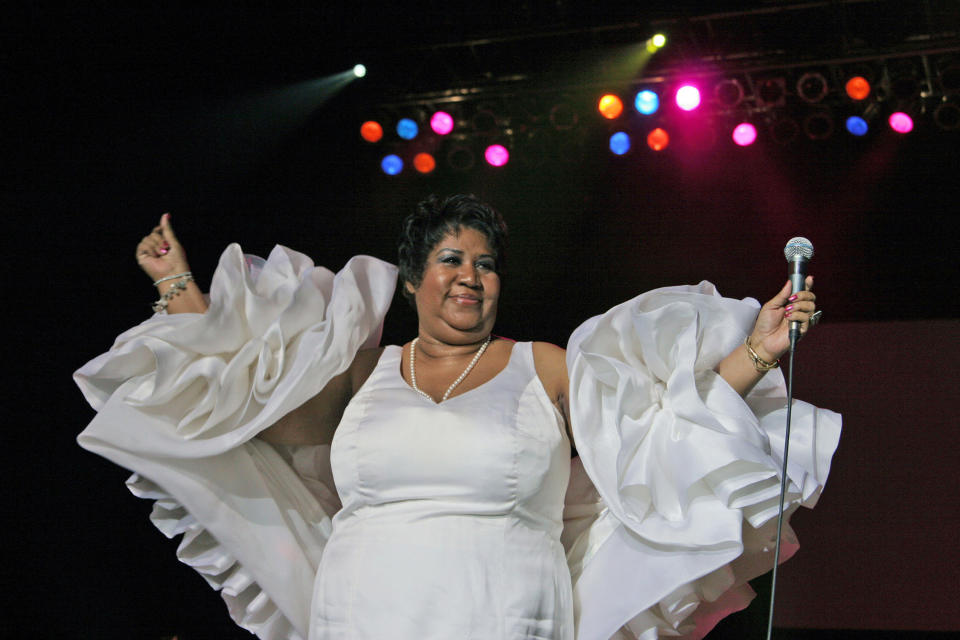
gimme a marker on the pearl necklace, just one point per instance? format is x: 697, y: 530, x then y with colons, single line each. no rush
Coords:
x: 413, y: 373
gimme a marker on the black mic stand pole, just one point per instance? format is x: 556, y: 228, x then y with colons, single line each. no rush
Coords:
x: 794, y: 335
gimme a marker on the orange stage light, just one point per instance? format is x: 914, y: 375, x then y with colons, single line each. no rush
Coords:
x: 371, y: 131
x: 424, y: 163
x: 858, y: 88
x: 658, y: 139
x: 610, y: 106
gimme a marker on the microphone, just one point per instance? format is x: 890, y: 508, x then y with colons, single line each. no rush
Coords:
x: 798, y: 253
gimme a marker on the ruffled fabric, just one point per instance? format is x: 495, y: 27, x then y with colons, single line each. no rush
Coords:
x: 681, y: 510
x: 655, y: 547
x: 181, y: 397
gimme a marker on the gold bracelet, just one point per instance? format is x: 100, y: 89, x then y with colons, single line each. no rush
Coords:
x: 759, y: 363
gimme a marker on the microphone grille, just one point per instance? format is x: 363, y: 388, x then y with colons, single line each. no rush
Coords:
x: 798, y: 247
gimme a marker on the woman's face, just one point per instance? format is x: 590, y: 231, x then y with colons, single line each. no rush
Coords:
x: 457, y: 298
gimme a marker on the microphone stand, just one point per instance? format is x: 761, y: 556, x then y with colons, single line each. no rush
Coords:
x: 794, y: 335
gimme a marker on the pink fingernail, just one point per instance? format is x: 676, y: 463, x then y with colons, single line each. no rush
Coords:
x: 789, y: 309
x: 786, y: 315
x: 164, y: 252
x: 793, y: 298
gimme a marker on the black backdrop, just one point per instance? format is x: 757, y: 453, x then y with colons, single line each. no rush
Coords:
x: 120, y: 115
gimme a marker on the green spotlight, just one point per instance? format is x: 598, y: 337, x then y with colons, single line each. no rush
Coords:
x: 655, y: 43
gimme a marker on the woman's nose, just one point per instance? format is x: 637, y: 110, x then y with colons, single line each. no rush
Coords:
x: 469, y: 276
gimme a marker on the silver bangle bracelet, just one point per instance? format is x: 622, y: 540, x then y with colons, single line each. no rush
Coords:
x: 179, y: 275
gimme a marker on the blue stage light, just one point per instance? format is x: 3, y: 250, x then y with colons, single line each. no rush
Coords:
x: 391, y: 164
x: 619, y: 143
x: 407, y: 129
x: 857, y: 125
x: 647, y: 102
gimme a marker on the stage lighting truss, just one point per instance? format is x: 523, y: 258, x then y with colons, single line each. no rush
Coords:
x: 800, y: 104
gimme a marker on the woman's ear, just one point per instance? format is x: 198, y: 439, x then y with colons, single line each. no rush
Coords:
x: 409, y: 287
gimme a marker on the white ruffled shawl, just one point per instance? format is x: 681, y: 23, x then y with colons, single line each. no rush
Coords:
x: 654, y: 547
x: 686, y: 470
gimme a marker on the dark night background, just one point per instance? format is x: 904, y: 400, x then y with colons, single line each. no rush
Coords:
x: 116, y: 115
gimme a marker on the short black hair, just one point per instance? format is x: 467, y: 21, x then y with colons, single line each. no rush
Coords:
x: 433, y: 219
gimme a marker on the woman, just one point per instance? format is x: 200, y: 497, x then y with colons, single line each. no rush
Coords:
x: 459, y: 513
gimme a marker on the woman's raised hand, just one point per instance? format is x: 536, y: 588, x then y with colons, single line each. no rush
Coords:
x: 159, y: 254
x: 771, y: 333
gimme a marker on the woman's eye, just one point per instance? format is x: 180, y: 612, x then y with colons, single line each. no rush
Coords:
x: 450, y: 260
x: 489, y: 266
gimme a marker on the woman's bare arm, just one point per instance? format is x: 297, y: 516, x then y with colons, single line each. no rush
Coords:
x: 316, y: 420
x: 550, y: 361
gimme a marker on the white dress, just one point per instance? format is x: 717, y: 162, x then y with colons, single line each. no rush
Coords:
x: 669, y: 509
x: 452, y: 513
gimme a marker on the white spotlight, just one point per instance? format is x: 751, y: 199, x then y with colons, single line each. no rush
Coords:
x: 359, y: 70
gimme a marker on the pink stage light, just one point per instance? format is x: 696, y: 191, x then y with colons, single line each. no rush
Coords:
x: 441, y: 123
x: 745, y: 134
x: 901, y: 122
x: 497, y: 155
x: 688, y: 97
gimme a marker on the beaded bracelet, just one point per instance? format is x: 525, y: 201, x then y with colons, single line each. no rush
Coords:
x: 161, y: 304
x: 759, y: 363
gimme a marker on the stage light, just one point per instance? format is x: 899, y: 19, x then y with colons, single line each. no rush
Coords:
x: 818, y: 125
x: 442, y: 123
x: 900, y: 122
x: 424, y: 162
x: 728, y: 93
x: 484, y: 121
x: 812, y: 87
x: 949, y: 75
x: 655, y: 43
x: 658, y: 139
x: 496, y: 155
x: 947, y: 115
x: 647, y: 102
x: 371, y: 131
x: 772, y: 92
x: 858, y: 88
x: 460, y: 158
x: 784, y: 130
x: 391, y: 164
x: 359, y: 70
x: 857, y: 126
x: 619, y: 143
x: 610, y: 106
x: 407, y: 129
x: 744, y: 134
x: 688, y: 97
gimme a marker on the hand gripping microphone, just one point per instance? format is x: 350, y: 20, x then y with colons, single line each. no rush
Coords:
x: 798, y: 253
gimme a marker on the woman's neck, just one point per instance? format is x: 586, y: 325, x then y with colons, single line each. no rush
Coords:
x: 435, y: 349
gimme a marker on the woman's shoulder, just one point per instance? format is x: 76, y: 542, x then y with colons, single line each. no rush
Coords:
x: 550, y: 362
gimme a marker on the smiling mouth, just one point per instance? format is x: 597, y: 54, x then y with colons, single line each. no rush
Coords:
x: 462, y: 299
